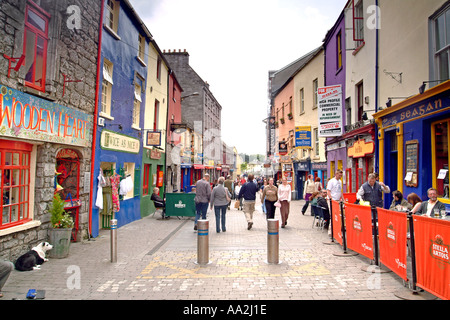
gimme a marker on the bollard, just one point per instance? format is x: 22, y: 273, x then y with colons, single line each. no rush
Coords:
x: 113, y: 226
x: 203, y: 242
x: 273, y: 241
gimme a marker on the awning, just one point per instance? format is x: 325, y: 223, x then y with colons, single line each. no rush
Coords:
x: 199, y: 166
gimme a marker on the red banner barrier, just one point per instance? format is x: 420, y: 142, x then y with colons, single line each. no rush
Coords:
x: 358, y: 220
x: 349, y: 197
x: 432, y: 248
x: 337, y: 223
x: 392, y: 231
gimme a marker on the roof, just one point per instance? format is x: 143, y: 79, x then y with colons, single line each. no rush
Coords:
x: 280, y: 78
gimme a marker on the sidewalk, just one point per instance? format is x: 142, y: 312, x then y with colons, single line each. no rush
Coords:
x: 157, y: 260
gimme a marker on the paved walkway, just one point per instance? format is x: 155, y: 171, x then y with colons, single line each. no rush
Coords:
x: 157, y: 260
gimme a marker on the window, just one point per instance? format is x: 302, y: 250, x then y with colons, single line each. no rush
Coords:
x: 348, y: 112
x: 146, y: 183
x: 107, y: 88
x: 316, y: 141
x: 315, y: 88
x: 155, y: 120
x: 35, y: 46
x: 137, y: 106
x: 112, y: 15
x: 158, y: 69
x: 442, y: 45
x: 339, y: 50
x: 141, y: 53
x: 302, y: 101
x: 15, y: 182
x: 360, y: 100
x: 358, y: 32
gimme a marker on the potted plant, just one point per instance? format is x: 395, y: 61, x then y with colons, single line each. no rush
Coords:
x: 61, y: 230
x: 282, y: 120
x: 290, y: 116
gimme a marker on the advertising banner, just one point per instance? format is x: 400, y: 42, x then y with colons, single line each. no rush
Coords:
x: 303, y: 137
x: 358, y: 220
x: 392, y: 231
x: 337, y: 221
x: 432, y: 248
x: 330, y: 111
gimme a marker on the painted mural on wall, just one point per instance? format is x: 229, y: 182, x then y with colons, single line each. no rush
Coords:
x: 29, y: 117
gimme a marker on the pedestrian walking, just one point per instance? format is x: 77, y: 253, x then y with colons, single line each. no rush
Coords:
x: 5, y: 269
x: 229, y: 185
x: 202, y: 197
x: 284, y: 196
x: 220, y: 198
x: 308, y: 191
x: 372, y: 191
x: 248, y: 193
x: 270, y: 196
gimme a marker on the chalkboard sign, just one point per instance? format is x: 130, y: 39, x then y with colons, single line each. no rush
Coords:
x: 412, y: 162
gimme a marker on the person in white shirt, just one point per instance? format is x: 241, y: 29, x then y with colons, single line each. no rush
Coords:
x: 334, y: 187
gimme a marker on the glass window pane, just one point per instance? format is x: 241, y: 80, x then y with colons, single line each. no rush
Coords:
x: 440, y: 32
x: 14, y: 213
x: 6, y: 196
x: 16, y: 159
x: 36, y: 21
x: 443, y: 65
x: 447, y: 24
x: 29, y: 55
x: 15, y: 177
x: 15, y: 195
x: 38, y: 80
x: 8, y: 158
x: 5, y: 215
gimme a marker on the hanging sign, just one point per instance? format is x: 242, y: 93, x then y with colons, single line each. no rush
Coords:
x: 330, y: 111
x: 303, y: 137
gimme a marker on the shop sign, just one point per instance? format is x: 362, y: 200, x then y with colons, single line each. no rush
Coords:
x: 330, y: 111
x: 360, y: 149
x: 25, y: 116
x: 110, y: 140
x: 282, y: 148
x: 416, y: 110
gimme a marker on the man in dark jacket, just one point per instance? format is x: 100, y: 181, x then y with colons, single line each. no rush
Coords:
x: 248, y: 192
x: 322, y: 202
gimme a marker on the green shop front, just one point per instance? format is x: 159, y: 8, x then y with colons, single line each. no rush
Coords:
x: 153, y: 163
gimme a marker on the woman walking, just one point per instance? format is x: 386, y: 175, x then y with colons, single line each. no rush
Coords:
x: 220, y: 197
x: 284, y: 196
x: 269, y: 197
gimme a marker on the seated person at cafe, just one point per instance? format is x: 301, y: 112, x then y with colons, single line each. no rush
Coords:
x: 159, y: 203
x: 433, y: 207
x: 399, y: 203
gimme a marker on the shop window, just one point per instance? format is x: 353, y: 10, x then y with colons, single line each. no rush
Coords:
x: 128, y: 168
x: 35, y: 46
x: 441, y: 157
x: 68, y: 174
x: 15, y: 182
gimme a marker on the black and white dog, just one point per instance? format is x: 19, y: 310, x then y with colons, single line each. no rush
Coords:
x: 33, y: 258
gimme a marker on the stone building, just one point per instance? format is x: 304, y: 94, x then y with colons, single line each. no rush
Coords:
x: 200, y: 110
x: 48, y: 69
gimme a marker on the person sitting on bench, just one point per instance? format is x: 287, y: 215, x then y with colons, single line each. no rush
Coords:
x: 159, y: 203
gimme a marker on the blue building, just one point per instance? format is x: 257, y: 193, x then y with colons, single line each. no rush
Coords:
x: 120, y: 118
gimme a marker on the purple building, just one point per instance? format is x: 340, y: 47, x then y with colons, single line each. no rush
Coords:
x: 334, y: 46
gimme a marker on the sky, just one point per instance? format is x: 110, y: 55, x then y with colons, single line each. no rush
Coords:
x: 234, y: 44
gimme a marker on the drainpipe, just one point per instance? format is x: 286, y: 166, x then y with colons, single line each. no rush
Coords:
x: 94, y: 130
x: 377, y: 151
